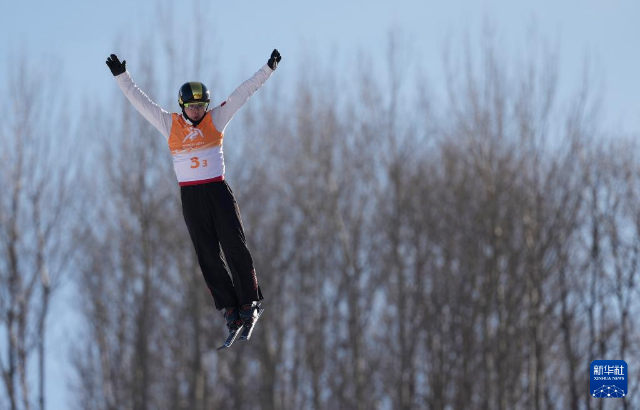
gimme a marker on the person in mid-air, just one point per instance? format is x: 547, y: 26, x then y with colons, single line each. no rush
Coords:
x: 195, y: 138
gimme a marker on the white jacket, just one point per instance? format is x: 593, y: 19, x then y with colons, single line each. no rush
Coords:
x: 210, y: 159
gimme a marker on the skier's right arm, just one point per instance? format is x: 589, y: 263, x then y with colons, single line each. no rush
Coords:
x: 151, y: 111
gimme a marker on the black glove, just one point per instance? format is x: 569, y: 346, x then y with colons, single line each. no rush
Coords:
x: 115, y: 65
x: 274, y: 60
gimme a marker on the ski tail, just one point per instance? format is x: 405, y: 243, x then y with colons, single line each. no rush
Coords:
x: 233, y: 334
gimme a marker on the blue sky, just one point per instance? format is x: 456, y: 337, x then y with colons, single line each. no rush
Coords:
x: 81, y: 34
x: 75, y: 37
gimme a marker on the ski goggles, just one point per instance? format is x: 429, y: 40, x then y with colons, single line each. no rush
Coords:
x: 196, y: 105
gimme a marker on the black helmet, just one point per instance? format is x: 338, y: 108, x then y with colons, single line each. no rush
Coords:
x: 193, y: 92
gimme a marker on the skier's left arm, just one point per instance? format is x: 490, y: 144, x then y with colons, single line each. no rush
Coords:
x: 223, y: 113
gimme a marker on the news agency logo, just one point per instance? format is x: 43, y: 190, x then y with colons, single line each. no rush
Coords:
x: 609, y: 378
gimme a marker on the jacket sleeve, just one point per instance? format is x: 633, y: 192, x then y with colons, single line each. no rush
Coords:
x: 151, y: 111
x: 224, y: 112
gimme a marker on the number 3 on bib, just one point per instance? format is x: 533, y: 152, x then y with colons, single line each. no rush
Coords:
x: 195, y: 162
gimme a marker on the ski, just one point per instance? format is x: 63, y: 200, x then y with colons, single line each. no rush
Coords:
x: 233, y: 334
x: 247, y: 327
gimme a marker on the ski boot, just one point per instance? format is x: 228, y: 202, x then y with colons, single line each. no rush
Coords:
x: 234, y: 324
x: 249, y: 313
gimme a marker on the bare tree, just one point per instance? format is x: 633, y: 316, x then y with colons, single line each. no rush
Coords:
x: 444, y: 255
x: 35, y: 205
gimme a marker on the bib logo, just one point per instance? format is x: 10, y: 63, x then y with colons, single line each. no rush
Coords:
x: 193, y: 134
x: 609, y: 378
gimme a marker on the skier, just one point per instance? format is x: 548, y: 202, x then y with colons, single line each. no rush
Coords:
x: 209, y: 208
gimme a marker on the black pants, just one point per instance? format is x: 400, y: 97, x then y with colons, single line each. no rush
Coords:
x: 213, y: 220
